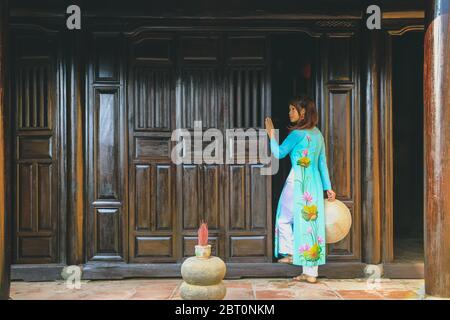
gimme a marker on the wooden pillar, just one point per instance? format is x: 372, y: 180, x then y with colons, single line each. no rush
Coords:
x: 4, y: 218
x: 371, y: 196
x: 437, y: 148
x: 75, y: 255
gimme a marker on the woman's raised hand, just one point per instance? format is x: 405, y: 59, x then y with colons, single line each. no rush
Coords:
x: 269, y: 126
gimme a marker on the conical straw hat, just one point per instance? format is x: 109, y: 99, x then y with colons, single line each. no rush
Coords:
x: 338, y: 221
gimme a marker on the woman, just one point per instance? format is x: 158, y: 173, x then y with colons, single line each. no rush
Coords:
x: 300, y: 223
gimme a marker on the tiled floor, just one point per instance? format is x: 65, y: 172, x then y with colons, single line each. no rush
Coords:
x: 244, y: 289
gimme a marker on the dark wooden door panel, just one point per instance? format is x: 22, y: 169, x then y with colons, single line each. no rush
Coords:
x: 201, y: 200
x: 248, y: 220
x: 34, y: 92
x: 247, y: 206
x: 106, y: 118
x: 200, y: 97
x: 340, y: 124
x: 247, y: 96
x: 152, y: 94
x: 152, y: 176
x: 194, y: 78
x: 106, y: 143
x: 107, y: 234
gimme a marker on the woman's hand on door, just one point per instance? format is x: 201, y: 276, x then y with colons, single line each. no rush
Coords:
x: 269, y: 127
x: 331, y: 195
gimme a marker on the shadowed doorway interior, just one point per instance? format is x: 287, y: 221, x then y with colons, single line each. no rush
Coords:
x: 292, y: 74
x: 407, y: 76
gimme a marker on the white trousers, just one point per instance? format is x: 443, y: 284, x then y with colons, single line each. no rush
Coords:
x: 285, y: 223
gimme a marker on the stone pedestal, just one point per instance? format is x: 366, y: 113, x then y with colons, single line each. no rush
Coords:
x: 203, y: 278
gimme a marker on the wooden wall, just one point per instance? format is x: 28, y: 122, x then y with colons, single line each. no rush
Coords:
x: 141, y: 85
x: 92, y: 138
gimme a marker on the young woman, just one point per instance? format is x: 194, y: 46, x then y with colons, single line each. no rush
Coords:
x: 300, y: 223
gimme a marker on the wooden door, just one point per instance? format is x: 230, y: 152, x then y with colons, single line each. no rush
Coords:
x: 35, y: 106
x: 248, y: 212
x: 153, y: 233
x: 175, y: 80
x: 200, y: 97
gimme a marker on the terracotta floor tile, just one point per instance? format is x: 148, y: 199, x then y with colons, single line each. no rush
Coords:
x: 30, y: 296
x: 162, y: 286
x: 158, y: 281
x: 243, y: 289
x: 121, y: 295
x: 271, y: 285
x: 238, y: 284
x: 162, y: 293
x: 239, y: 294
x: 399, y: 294
x: 36, y: 286
x: 317, y: 295
x: 274, y: 294
x: 359, y: 295
x: 344, y: 284
x: 288, y: 284
x: 305, y: 286
x: 69, y: 296
x: 31, y: 290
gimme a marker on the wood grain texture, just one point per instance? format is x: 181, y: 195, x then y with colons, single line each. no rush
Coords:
x: 387, y: 152
x: 437, y: 148
x: 223, y: 88
x: 76, y: 103
x: 108, y: 271
x: 105, y: 151
x: 371, y: 196
x: 340, y: 124
x: 36, y: 137
x: 153, y: 220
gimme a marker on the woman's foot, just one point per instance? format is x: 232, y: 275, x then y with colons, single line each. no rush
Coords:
x: 305, y: 277
x: 286, y: 259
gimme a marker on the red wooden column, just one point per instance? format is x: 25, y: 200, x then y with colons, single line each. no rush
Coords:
x: 4, y: 221
x: 437, y: 148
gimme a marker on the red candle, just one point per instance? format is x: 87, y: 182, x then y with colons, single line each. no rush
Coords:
x: 203, y: 234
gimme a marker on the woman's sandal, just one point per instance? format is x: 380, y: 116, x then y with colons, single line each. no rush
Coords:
x: 304, y: 277
x: 287, y: 259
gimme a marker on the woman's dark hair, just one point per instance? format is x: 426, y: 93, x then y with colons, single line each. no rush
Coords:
x: 311, y: 118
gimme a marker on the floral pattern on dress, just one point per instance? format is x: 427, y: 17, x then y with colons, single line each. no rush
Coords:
x: 310, y: 177
x: 311, y: 251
